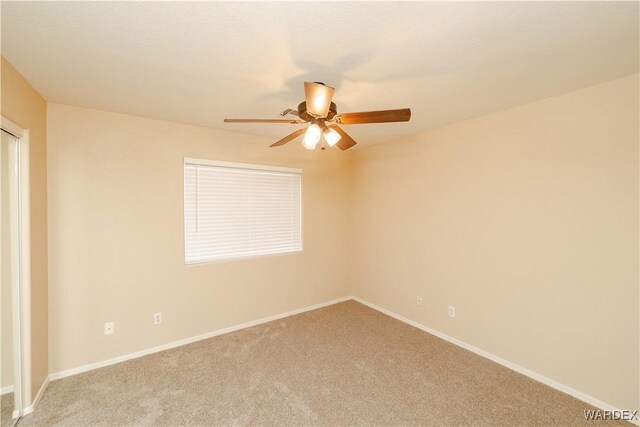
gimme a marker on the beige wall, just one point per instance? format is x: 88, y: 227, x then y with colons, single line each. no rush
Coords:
x: 116, y: 236
x: 526, y: 221
x: 24, y: 106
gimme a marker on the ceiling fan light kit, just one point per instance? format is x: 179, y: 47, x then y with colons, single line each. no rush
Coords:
x: 322, y: 115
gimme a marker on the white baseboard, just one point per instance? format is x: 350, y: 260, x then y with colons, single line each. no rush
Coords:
x: 103, y: 363
x: 6, y: 389
x: 34, y: 402
x: 524, y: 371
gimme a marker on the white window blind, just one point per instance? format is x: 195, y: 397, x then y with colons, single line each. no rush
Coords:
x: 235, y: 210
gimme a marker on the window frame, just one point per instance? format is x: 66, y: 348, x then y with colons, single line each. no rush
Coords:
x: 236, y: 165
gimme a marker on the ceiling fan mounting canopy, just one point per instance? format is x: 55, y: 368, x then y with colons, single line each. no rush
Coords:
x: 321, y: 113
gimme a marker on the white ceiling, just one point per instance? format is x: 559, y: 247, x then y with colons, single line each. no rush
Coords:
x: 198, y: 62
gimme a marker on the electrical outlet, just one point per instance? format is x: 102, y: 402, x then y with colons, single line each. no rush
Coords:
x: 157, y: 318
x: 109, y: 328
x: 419, y: 300
x: 452, y: 311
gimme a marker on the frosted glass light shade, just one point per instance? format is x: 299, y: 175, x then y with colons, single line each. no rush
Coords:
x: 331, y: 136
x: 311, y: 137
x: 318, y: 97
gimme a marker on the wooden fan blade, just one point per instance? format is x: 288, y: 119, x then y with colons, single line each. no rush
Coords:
x: 288, y: 138
x: 346, y: 141
x: 318, y: 97
x: 384, y: 116
x: 289, y: 121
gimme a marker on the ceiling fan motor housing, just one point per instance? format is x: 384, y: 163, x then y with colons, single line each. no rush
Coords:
x: 304, y: 115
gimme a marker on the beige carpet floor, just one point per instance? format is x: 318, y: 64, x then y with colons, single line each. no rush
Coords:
x: 345, y: 364
x: 6, y: 410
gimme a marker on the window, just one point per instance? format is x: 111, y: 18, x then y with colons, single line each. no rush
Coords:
x: 236, y: 210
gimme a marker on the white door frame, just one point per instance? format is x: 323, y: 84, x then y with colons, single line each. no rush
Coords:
x: 23, y: 330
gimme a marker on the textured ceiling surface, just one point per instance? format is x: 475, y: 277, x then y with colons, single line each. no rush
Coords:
x: 199, y: 62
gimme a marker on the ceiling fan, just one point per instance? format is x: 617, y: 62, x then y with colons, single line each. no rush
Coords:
x: 321, y: 114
